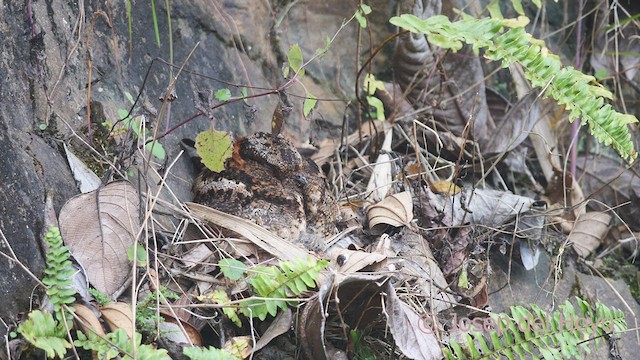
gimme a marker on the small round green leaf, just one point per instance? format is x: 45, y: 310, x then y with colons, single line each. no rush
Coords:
x: 295, y: 57
x: 223, y: 94
x: 232, y: 269
x: 309, y: 103
x: 214, y: 147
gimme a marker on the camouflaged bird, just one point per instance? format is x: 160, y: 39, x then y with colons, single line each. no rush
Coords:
x: 268, y: 182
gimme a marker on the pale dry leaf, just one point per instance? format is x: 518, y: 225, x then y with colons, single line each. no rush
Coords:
x: 411, y: 332
x: 529, y: 254
x: 87, y: 179
x: 264, y: 239
x: 119, y: 316
x: 449, y: 86
x: 543, y: 135
x: 484, y: 207
x: 381, y: 178
x: 99, y: 227
x: 589, y: 231
x: 395, y: 210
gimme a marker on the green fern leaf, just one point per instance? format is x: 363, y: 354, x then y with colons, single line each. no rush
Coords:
x: 279, y: 282
x: 566, y: 85
x: 560, y: 334
x: 210, y: 353
x: 42, y: 331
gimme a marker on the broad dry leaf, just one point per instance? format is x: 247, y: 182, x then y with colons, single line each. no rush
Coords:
x: 359, y: 296
x: 99, y: 227
x: 118, y: 315
x: 395, y: 210
x: 411, y: 333
x: 589, y: 231
x: 312, y: 322
x: 268, y: 242
x: 197, y: 255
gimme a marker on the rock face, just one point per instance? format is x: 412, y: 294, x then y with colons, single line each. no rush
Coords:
x: 59, y: 57
x: 269, y: 182
x: 30, y: 166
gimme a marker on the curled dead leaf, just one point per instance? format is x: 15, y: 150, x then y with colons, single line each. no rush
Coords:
x: 190, y: 335
x: 395, y: 210
x: 118, y: 315
x: 87, y: 321
x: 588, y: 232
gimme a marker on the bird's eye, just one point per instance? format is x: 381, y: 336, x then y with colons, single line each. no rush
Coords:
x: 300, y: 179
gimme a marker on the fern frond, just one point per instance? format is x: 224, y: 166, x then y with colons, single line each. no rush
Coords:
x: 200, y: 353
x: 525, y: 333
x: 118, y: 342
x: 59, y: 272
x: 44, y: 332
x: 289, y: 278
x: 507, y: 41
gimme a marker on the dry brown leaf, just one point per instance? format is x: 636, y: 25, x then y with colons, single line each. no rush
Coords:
x: 264, y: 239
x: 99, y: 227
x: 312, y: 321
x: 589, y: 231
x: 197, y: 255
x: 395, y: 210
x: 118, y: 315
x: 411, y: 333
x: 417, y: 262
x: 359, y: 296
x: 483, y: 206
x: 437, y: 81
x: 87, y: 320
x: 191, y: 335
